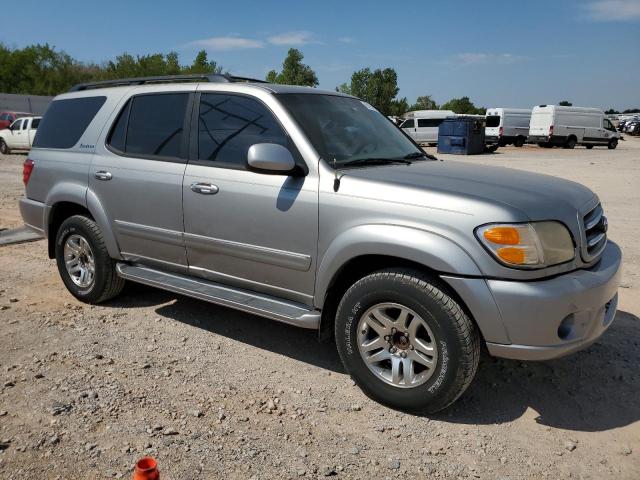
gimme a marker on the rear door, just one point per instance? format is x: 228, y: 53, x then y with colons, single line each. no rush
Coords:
x: 138, y: 179
x: 244, y: 228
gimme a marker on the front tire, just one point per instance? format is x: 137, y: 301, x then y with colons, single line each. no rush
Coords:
x: 519, y: 142
x: 4, y: 148
x: 613, y: 143
x: 405, y: 342
x: 84, y: 264
x: 570, y: 143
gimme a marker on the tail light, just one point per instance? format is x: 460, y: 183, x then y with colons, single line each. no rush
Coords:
x: 500, y: 131
x: 551, y: 130
x: 27, y: 168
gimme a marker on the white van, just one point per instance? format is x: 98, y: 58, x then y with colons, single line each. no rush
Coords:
x: 507, y: 126
x: 422, y: 125
x: 553, y: 125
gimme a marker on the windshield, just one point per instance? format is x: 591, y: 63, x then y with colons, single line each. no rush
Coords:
x: 347, y: 129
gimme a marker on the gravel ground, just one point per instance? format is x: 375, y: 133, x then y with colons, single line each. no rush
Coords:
x: 212, y: 393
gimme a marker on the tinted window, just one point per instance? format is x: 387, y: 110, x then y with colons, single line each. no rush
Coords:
x: 4, y: 116
x: 17, y: 125
x: 493, y: 121
x: 25, y: 124
x: 156, y: 124
x: 229, y: 124
x: 66, y: 120
x: 34, y: 123
x: 118, y: 133
x: 429, y: 122
x: 408, y: 124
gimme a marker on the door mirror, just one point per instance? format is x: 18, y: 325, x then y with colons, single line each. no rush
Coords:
x: 271, y: 158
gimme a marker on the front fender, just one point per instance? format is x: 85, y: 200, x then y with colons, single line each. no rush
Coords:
x: 426, y: 248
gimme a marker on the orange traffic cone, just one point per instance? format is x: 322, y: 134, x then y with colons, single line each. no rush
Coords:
x: 146, y: 469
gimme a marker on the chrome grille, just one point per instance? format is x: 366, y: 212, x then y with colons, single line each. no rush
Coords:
x: 595, y: 233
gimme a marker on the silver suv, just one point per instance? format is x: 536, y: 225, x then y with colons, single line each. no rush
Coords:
x: 311, y: 208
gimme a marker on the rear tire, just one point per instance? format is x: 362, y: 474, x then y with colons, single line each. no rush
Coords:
x: 570, y: 143
x: 588, y: 147
x: 4, y: 149
x: 613, y: 143
x: 519, y: 142
x: 84, y: 263
x: 545, y: 144
x: 396, y: 315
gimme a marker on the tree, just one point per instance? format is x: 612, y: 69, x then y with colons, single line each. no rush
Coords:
x: 379, y: 88
x: 462, y: 106
x: 611, y: 111
x: 565, y: 103
x: 399, y: 107
x: 294, y: 72
x: 424, y: 103
x: 201, y: 64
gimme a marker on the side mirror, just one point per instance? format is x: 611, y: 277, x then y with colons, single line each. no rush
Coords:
x: 271, y: 158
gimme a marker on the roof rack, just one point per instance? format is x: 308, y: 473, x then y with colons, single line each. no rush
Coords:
x: 202, y: 77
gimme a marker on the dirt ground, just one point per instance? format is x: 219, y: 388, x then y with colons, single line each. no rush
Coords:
x: 213, y: 393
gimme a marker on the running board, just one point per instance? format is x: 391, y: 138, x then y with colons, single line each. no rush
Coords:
x: 251, y: 302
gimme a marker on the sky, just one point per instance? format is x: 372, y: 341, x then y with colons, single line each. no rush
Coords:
x: 499, y: 53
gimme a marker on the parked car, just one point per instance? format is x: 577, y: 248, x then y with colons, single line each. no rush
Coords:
x: 310, y: 208
x: 553, y: 125
x: 632, y: 127
x: 7, y: 118
x: 422, y: 125
x: 507, y: 126
x: 19, y: 135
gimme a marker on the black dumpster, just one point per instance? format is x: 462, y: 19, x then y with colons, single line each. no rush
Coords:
x: 461, y: 135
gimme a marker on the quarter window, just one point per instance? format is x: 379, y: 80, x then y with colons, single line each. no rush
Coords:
x: 151, y: 125
x: 229, y: 124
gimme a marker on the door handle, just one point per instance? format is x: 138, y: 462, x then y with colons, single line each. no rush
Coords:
x: 204, y: 188
x: 102, y: 175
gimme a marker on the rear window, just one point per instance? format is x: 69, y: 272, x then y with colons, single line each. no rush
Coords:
x: 493, y: 121
x: 151, y: 125
x: 66, y: 120
x: 429, y: 122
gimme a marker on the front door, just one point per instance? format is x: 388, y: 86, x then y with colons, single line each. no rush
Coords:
x: 243, y: 228
x: 18, y: 134
x: 137, y: 177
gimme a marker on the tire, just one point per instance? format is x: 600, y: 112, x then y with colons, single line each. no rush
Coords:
x: 570, y: 144
x: 4, y: 149
x: 613, y: 143
x: 519, y: 142
x: 492, y: 148
x: 441, y: 323
x: 545, y: 145
x: 588, y: 147
x: 79, y: 238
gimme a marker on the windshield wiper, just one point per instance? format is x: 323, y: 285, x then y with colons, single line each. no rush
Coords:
x: 374, y: 161
x: 414, y: 155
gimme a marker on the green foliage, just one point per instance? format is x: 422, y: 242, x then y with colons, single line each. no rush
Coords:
x: 565, y: 103
x: 41, y: 70
x: 399, y: 107
x: 294, y: 72
x: 611, y: 111
x: 463, y: 106
x: 379, y: 88
x: 424, y: 103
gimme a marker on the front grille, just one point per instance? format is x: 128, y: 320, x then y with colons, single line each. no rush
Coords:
x: 595, y: 233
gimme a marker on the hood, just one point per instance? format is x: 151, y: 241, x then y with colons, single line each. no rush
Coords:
x: 538, y: 197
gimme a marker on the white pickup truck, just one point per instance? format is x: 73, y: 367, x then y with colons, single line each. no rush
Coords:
x: 19, y: 135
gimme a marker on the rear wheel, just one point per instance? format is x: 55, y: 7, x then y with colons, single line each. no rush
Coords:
x: 4, y: 149
x: 545, y: 144
x: 571, y: 143
x: 84, y: 264
x: 519, y: 142
x: 589, y: 147
x: 405, y: 342
x: 613, y: 143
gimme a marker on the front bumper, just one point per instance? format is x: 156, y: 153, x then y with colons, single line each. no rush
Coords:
x: 546, y: 319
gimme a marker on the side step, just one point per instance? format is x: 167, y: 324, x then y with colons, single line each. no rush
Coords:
x: 250, y: 302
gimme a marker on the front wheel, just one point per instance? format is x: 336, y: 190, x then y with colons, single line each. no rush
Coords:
x: 405, y: 341
x: 4, y: 148
x: 570, y: 143
x: 84, y: 264
x: 613, y: 143
x: 519, y: 142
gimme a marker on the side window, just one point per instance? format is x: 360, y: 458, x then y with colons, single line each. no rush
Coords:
x: 17, y: 125
x: 34, y: 123
x: 408, y: 124
x: 429, y: 122
x: 4, y: 116
x: 25, y: 123
x: 66, y: 121
x: 229, y: 124
x: 151, y: 125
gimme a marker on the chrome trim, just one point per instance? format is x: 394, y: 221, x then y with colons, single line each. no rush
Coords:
x: 271, y: 256
x: 595, y: 240
x: 156, y: 234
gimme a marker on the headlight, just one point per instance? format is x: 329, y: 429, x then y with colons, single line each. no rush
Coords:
x: 528, y: 245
